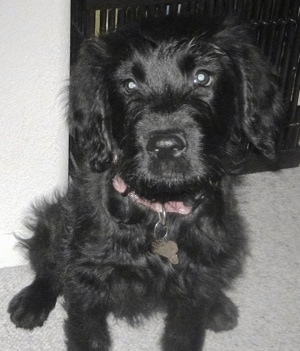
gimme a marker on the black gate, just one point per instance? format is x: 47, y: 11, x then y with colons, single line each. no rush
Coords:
x: 277, y: 26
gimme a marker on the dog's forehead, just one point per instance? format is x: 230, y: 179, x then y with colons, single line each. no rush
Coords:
x: 169, y: 60
x: 160, y: 62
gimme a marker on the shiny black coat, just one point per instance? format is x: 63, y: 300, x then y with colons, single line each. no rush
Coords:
x: 169, y: 106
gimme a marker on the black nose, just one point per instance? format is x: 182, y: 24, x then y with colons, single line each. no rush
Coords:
x: 166, y: 145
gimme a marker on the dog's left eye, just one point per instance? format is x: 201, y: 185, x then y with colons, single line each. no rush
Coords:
x: 130, y: 86
x: 202, y: 78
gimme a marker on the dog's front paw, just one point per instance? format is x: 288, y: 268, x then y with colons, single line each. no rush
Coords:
x: 32, y: 305
x: 223, y: 315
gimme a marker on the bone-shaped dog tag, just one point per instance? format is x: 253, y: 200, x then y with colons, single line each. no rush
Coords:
x: 166, y: 249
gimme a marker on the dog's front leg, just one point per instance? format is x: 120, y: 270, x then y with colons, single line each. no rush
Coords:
x: 87, y: 330
x: 185, y: 327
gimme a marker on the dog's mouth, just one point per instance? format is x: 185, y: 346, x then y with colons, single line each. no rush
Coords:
x: 184, y: 204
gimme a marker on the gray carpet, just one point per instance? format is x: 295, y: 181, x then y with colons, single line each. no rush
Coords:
x: 268, y: 295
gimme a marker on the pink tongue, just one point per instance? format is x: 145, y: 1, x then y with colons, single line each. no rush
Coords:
x: 178, y: 207
x: 171, y: 206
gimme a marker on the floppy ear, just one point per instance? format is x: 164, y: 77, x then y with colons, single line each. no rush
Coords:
x: 89, y: 116
x: 261, y: 104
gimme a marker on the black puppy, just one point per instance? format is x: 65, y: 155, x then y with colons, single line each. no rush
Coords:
x: 163, y: 111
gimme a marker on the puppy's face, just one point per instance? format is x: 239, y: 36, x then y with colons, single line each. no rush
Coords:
x: 173, y: 106
x: 168, y: 104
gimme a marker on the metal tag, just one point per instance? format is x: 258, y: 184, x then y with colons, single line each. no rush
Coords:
x: 166, y: 249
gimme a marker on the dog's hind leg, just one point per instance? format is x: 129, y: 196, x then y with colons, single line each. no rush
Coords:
x: 32, y: 305
x: 223, y: 314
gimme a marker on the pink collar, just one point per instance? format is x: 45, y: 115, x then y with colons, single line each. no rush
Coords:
x: 170, y: 206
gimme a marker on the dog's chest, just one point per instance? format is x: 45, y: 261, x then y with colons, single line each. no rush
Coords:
x: 145, y: 264
x: 144, y: 285
x: 122, y: 269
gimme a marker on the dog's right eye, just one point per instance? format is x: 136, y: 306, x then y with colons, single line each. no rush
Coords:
x: 202, y: 78
x: 130, y: 86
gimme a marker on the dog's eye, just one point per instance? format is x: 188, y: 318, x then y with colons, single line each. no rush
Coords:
x: 202, y: 78
x: 130, y: 86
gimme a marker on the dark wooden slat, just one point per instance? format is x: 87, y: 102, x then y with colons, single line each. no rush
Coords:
x: 248, y: 10
x: 201, y: 6
x: 292, y: 49
x: 103, y: 19
x: 111, y: 21
x: 239, y: 8
x: 130, y: 14
x: 121, y: 16
x: 257, y: 10
x: 282, y: 16
x: 296, y: 85
x: 141, y: 12
x: 210, y: 7
x: 152, y: 10
x: 219, y: 7
x: 285, y: 9
x: 265, y: 17
x: 294, y: 12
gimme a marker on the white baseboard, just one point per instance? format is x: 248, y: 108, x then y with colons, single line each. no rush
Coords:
x: 10, y: 255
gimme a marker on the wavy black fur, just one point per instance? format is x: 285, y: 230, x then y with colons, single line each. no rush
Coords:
x: 169, y: 106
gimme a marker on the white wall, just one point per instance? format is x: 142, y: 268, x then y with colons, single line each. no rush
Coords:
x: 34, y: 70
